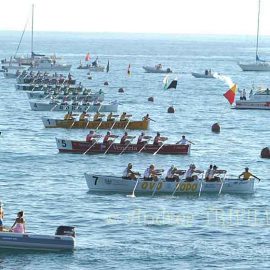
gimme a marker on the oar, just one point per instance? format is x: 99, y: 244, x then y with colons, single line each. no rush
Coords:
x: 99, y: 125
x: 200, y: 191
x: 114, y: 122
x: 72, y: 124
x: 54, y: 107
x: 133, y: 192
x: 127, y: 124
x: 158, y: 149
x: 157, y: 183
x: 222, y: 183
x: 110, y: 146
x: 92, y: 145
x: 127, y: 145
x: 180, y: 181
x: 144, y: 145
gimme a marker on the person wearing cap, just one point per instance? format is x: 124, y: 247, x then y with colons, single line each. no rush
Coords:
x: 158, y: 139
x: 129, y: 174
x: 124, y: 116
x: 1, y: 216
x: 191, y: 173
x: 247, y: 174
x: 184, y: 141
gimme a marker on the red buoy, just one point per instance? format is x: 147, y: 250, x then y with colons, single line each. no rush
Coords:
x: 151, y: 99
x: 265, y: 153
x: 171, y: 109
x: 216, y: 128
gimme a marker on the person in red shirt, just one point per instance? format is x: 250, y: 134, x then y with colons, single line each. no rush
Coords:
x: 107, y: 137
x: 91, y: 136
x: 126, y: 139
x: 158, y: 139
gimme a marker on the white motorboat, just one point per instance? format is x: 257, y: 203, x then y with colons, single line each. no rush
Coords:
x: 47, y: 64
x: 206, y: 75
x: 258, y: 64
x: 114, y: 184
x: 260, y: 100
x: 64, y: 239
x: 89, y: 107
x: 156, y: 69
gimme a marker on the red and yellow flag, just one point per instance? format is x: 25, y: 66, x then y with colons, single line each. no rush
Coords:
x: 230, y: 94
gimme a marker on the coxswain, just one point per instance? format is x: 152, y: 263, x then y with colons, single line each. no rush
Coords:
x: 126, y: 139
x: 184, y: 141
x: 129, y: 174
x: 247, y: 174
x: 151, y: 173
x: 111, y: 116
x: 158, y: 139
x: 125, y: 116
x: 84, y: 116
x: 98, y: 116
x: 69, y: 116
x: 107, y: 137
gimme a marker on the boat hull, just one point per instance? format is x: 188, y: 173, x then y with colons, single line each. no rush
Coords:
x: 256, y: 66
x: 251, y: 105
x: 200, y: 75
x: 112, y: 184
x: 9, y: 240
x: 50, y: 68
x: 55, y: 123
x: 35, y: 106
x: 155, y: 70
x: 79, y: 147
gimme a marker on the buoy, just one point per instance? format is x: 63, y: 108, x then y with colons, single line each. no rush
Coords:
x: 106, y: 83
x: 265, y: 153
x: 216, y: 128
x: 171, y: 109
x: 151, y: 99
x: 121, y: 90
x: 90, y: 78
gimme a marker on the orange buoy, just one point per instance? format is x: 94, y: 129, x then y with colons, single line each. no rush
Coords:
x: 151, y: 99
x: 265, y: 153
x: 171, y: 109
x: 121, y: 90
x: 216, y: 128
x: 106, y: 83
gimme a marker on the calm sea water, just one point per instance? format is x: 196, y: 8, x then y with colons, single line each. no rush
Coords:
x: 116, y: 232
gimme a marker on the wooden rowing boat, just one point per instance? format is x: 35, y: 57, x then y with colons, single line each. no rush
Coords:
x: 79, y: 147
x: 60, y: 123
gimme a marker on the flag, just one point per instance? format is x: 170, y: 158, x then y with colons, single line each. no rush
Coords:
x: 87, y: 57
x: 173, y: 84
x: 108, y: 67
x: 129, y: 71
x: 165, y: 82
x: 230, y: 94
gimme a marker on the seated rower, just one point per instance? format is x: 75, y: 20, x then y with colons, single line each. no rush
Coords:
x: 214, y: 174
x: 158, y: 139
x: 98, y: 116
x: 191, y: 173
x: 126, y: 139
x: 124, y: 116
x: 208, y: 173
x: 173, y: 174
x: 84, y: 116
x: 142, y: 139
x: 151, y: 173
x: 91, y: 136
x: 246, y: 175
x: 147, y: 118
x: 69, y: 116
x: 129, y: 174
x: 107, y: 137
x: 111, y: 116
x: 184, y: 141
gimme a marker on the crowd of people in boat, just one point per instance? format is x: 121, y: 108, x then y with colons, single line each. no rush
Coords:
x: 18, y: 225
x: 212, y: 174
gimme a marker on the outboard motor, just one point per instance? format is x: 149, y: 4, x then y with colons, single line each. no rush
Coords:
x: 65, y: 230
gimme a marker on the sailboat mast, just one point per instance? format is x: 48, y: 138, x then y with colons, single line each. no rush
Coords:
x: 258, y: 29
x: 32, y: 33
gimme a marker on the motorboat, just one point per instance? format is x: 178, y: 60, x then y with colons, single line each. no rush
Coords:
x: 156, y: 69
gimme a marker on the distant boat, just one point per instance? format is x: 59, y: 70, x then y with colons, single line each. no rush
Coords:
x: 258, y: 65
x: 207, y: 74
x: 156, y: 69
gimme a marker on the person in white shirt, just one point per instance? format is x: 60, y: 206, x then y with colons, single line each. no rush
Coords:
x: 129, y: 174
x: 173, y: 174
x: 192, y: 173
x: 208, y: 173
x: 184, y: 140
x: 151, y: 173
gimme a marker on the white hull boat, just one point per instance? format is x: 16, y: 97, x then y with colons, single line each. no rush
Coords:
x: 255, y: 66
x: 50, y: 67
x: 38, y: 106
x: 29, y: 241
x: 113, y: 184
x: 149, y: 69
x: 202, y: 75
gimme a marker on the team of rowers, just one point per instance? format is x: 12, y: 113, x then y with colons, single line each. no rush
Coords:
x: 213, y: 174
x: 109, y: 138
x: 98, y: 117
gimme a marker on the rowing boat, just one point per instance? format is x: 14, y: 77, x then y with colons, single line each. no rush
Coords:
x: 79, y: 147
x: 84, y: 124
x: 39, y: 106
x: 113, y: 184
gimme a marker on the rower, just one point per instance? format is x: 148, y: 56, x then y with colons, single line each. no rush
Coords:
x: 84, y: 116
x: 246, y: 175
x: 158, y: 139
x: 214, y: 174
x: 129, y: 174
x: 91, y: 136
x: 111, y: 116
x: 125, y: 138
x: 208, y: 173
x: 151, y: 173
x: 1, y: 217
x: 98, y: 116
x: 173, y: 174
x: 107, y: 137
x: 191, y: 173
x: 69, y: 116
x: 125, y: 116
x: 184, y: 141
x: 147, y: 118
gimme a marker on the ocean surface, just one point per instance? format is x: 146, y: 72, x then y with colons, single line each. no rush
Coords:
x: 116, y: 232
